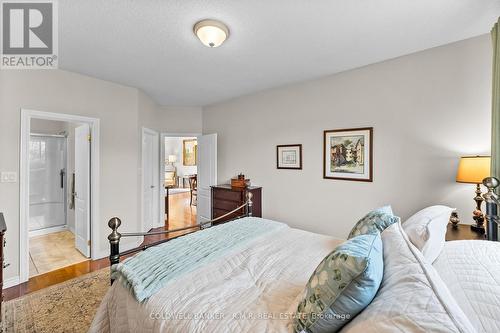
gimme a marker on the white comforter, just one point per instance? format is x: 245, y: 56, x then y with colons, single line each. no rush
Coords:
x: 471, y: 271
x: 256, y: 289
x: 257, y: 286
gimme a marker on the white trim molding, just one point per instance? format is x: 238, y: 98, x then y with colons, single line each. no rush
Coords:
x: 94, y: 124
x: 49, y: 230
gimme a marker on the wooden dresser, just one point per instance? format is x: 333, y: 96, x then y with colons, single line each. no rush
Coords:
x: 3, y: 229
x: 226, y: 198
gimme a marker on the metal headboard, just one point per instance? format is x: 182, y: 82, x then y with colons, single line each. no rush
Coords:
x: 492, y: 202
x: 115, y: 237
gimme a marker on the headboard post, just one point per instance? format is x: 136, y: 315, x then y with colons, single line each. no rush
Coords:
x: 491, y: 199
x: 114, y: 242
x: 249, y: 204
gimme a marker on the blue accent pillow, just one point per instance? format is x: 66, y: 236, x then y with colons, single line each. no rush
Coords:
x: 375, y: 221
x: 343, y: 284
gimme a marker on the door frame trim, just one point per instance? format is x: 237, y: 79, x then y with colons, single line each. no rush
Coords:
x: 164, y: 135
x: 94, y: 124
x: 145, y: 130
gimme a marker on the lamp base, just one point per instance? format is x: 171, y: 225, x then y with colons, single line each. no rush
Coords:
x: 478, y: 228
x: 477, y: 214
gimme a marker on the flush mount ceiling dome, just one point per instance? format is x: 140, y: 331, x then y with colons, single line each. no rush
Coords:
x: 211, y: 33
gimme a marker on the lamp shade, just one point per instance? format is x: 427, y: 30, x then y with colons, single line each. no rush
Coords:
x: 473, y: 169
x: 172, y: 158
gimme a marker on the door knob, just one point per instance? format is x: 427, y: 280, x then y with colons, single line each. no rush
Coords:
x: 152, y: 186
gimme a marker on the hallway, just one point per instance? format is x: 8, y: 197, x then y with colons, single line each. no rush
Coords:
x: 181, y: 213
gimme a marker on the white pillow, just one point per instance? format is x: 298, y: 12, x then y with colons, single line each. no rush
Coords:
x: 427, y: 230
x: 412, y: 297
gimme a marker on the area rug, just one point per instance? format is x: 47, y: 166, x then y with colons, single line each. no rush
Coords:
x: 66, y: 307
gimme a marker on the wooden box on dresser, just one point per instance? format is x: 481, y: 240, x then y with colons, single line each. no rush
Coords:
x: 226, y: 198
x: 3, y: 229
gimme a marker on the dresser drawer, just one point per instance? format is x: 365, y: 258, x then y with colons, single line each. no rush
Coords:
x: 228, y: 195
x: 225, y: 204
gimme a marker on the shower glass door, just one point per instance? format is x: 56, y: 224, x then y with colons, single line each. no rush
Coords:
x: 47, y: 181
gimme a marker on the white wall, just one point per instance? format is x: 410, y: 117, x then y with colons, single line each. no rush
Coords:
x: 174, y: 146
x: 120, y: 109
x: 165, y: 119
x: 427, y: 109
x: 47, y: 126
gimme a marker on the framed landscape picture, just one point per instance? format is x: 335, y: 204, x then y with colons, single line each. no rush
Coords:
x: 289, y: 157
x: 189, y: 152
x: 348, y: 154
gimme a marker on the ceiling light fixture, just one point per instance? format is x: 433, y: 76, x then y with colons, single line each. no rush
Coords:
x: 211, y: 33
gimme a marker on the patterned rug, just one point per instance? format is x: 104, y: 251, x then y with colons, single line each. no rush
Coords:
x: 66, y: 307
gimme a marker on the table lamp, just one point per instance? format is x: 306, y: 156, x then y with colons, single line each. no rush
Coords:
x: 171, y: 160
x: 472, y: 170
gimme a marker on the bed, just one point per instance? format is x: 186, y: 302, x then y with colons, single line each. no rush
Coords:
x: 256, y: 288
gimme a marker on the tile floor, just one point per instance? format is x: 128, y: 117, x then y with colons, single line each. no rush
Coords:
x: 52, y: 251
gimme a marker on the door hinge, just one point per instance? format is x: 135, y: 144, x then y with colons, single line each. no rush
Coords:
x: 88, y: 242
x: 89, y: 137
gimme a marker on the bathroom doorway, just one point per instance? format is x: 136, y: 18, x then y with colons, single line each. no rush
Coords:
x: 59, y: 178
x: 55, y: 156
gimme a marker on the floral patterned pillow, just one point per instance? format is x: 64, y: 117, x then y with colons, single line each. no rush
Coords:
x: 343, y: 284
x: 375, y: 221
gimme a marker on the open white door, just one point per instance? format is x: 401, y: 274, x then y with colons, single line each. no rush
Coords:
x: 82, y: 189
x: 150, y: 179
x: 207, y: 175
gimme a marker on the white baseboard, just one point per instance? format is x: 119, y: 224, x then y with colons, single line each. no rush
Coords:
x: 46, y: 231
x: 11, y: 282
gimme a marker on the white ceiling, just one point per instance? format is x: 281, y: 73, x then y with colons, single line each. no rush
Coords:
x: 149, y: 44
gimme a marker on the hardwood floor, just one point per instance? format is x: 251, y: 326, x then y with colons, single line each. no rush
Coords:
x: 181, y: 215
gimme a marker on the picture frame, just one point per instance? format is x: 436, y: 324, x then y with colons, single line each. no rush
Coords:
x: 189, y: 152
x: 289, y: 157
x: 348, y: 154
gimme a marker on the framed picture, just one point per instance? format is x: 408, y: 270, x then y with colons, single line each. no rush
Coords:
x: 189, y: 152
x: 348, y: 154
x: 289, y: 157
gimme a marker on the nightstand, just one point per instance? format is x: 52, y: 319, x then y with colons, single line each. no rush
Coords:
x: 462, y: 231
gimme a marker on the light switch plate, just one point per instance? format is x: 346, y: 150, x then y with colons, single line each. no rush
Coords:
x: 8, y: 177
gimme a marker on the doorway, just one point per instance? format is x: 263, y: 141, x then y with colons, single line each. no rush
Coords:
x: 58, y: 175
x: 188, y: 169
x: 180, y: 180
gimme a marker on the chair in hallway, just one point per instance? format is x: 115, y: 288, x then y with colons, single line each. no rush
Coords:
x: 193, y: 188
